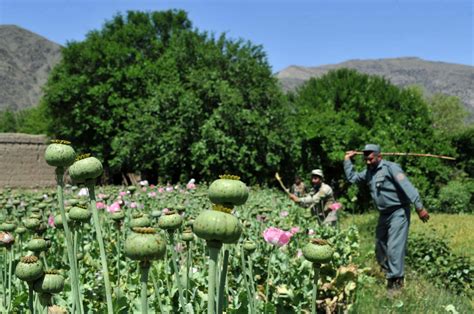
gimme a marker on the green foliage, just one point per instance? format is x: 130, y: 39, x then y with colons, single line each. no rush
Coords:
x: 456, y: 196
x: 8, y: 121
x: 344, y: 109
x: 448, y: 114
x: 464, y: 143
x: 431, y: 256
x: 32, y: 120
x: 149, y: 93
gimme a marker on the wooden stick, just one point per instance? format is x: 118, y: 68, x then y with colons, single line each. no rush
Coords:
x: 277, y: 176
x: 413, y: 154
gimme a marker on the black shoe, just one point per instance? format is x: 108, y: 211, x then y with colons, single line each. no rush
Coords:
x: 394, y: 287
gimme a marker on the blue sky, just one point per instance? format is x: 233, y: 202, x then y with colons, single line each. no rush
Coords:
x: 292, y: 32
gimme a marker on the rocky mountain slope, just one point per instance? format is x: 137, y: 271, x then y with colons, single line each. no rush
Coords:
x: 25, y: 62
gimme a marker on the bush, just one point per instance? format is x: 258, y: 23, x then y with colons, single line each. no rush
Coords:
x: 432, y: 258
x: 455, y: 197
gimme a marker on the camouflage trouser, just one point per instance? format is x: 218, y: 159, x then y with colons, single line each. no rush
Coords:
x: 330, y: 218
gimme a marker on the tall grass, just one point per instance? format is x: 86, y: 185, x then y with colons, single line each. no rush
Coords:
x: 419, y: 295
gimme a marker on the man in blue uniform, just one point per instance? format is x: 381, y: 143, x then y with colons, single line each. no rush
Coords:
x: 392, y: 193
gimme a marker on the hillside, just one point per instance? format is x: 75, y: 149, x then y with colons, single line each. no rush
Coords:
x: 25, y: 62
x: 434, y: 77
x: 27, y: 58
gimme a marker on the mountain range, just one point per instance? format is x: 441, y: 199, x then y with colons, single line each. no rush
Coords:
x: 27, y: 58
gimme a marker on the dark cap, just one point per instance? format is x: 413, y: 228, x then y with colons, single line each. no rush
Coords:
x: 372, y: 148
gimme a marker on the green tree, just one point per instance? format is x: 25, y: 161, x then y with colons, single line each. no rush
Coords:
x: 8, y: 123
x: 344, y: 109
x: 149, y: 93
x: 448, y: 114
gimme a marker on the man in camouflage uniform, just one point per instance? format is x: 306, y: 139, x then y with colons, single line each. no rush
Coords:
x: 392, y: 193
x: 319, y: 199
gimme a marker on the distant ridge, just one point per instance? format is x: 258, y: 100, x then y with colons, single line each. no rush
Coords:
x: 435, y: 77
x: 25, y: 62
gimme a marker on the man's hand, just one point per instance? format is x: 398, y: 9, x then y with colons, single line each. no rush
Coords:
x: 294, y: 198
x: 423, y: 215
x: 350, y: 154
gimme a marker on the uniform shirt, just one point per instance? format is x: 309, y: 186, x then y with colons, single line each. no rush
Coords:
x: 388, y: 185
x: 321, y: 197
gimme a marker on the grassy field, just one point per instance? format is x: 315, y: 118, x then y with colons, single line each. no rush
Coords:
x: 419, y: 295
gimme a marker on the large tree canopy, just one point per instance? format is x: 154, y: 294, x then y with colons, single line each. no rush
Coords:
x: 344, y: 109
x: 149, y: 93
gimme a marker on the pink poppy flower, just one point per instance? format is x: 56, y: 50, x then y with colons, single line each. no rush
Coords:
x: 165, y: 210
x: 143, y: 183
x: 152, y: 186
x: 144, y: 189
x: 51, y: 221
x: 169, y: 189
x: 123, y: 193
x: 152, y: 194
x: 115, y: 207
x: 299, y: 253
x: 133, y: 205
x: 310, y: 232
x: 100, y: 205
x: 277, y: 236
x: 161, y: 190
x: 294, y: 230
x: 284, y: 213
x: 335, y: 206
x: 101, y: 196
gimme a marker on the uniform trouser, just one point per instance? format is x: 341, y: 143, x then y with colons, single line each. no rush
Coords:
x: 391, y: 241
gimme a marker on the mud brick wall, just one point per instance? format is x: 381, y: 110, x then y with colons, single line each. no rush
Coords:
x: 22, y: 161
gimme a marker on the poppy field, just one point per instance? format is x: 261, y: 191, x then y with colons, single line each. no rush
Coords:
x: 265, y: 267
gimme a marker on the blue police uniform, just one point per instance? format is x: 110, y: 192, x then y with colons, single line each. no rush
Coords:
x: 392, y: 193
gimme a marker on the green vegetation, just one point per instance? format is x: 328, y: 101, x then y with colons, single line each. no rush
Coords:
x: 150, y: 94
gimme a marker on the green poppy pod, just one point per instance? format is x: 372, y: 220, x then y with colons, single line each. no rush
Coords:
x: 58, y: 220
x: 81, y: 214
x: 144, y: 244
x: 117, y: 216
x: 86, y: 169
x: 59, y: 155
x: 20, y: 230
x: 31, y: 223
x: 156, y: 213
x: 16, y: 202
x: 170, y: 221
x: 318, y: 251
x: 8, y: 226
x: 37, y: 245
x: 228, y: 191
x: 213, y: 225
x: 35, y: 215
x: 140, y: 220
x: 131, y: 189
x: 45, y: 299
x: 249, y: 246
x: 187, y: 235
x: 42, y: 205
x: 29, y: 268
x: 51, y: 282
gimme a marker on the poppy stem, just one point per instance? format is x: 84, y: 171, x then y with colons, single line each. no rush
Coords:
x: 69, y: 241
x: 214, y: 248
x: 220, y: 299
x: 144, y: 270
x: 315, y: 287
x: 95, y: 215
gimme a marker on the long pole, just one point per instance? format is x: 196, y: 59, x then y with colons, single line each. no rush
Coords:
x: 412, y: 154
